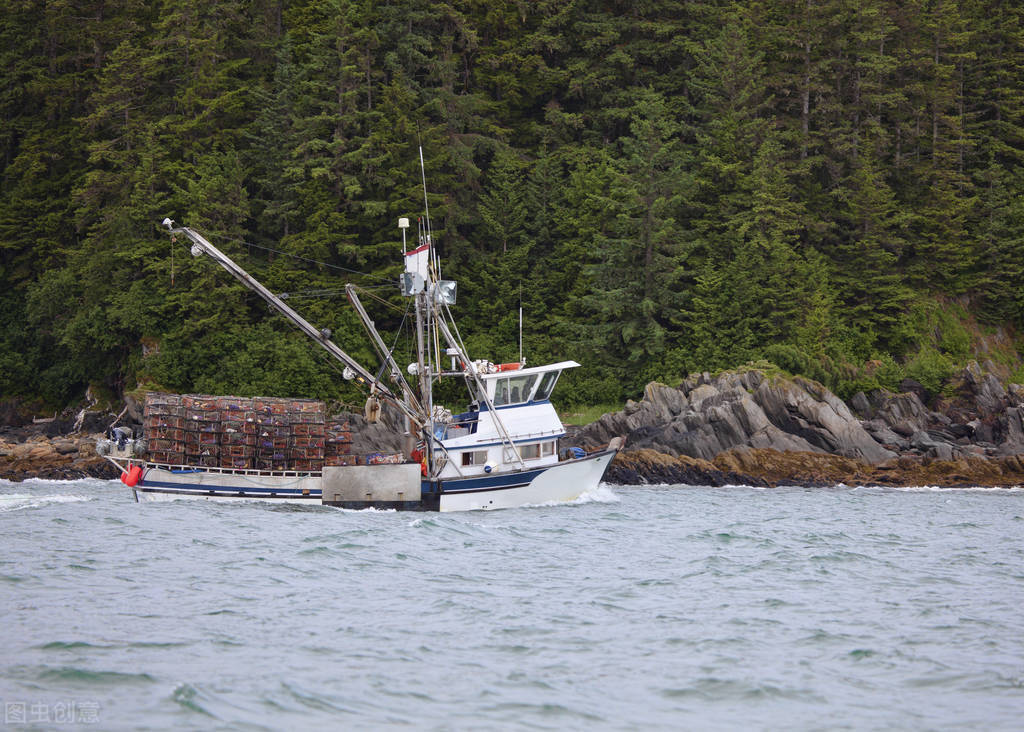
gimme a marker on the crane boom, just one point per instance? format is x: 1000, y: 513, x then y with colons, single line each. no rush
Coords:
x: 203, y: 246
x: 382, y: 349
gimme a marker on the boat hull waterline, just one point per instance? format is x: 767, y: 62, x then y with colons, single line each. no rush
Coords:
x: 562, y: 482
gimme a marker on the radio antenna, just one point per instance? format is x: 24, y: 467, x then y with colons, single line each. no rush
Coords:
x: 426, y: 209
x: 521, y: 361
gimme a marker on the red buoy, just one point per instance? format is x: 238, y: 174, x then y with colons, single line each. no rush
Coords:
x: 131, y: 478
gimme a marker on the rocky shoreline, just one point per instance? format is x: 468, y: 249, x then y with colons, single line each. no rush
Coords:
x: 745, y: 427
x: 58, y: 458
x: 771, y: 468
x: 755, y: 428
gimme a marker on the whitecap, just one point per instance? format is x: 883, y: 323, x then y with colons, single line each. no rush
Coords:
x: 958, y: 489
x: 601, y: 494
x: 50, y: 483
x: 19, y: 501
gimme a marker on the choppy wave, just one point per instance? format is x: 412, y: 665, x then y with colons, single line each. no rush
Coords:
x: 603, y: 493
x: 640, y: 607
x: 957, y: 489
x: 933, y: 488
x: 20, y: 501
x: 90, y: 483
x: 74, y: 676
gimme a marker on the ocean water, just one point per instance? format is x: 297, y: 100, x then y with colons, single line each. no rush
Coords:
x: 636, y: 608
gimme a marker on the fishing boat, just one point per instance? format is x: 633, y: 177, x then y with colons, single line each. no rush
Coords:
x: 500, y: 450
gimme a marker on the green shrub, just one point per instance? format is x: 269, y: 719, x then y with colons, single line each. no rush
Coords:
x: 890, y: 373
x: 676, y: 367
x: 789, y: 358
x: 930, y: 368
x: 953, y: 338
x: 846, y: 388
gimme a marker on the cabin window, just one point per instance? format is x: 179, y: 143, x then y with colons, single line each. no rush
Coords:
x: 513, y: 390
x: 474, y: 457
x: 546, y: 385
x: 537, y: 450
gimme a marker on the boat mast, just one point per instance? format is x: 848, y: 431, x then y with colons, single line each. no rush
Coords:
x: 423, y: 305
x: 201, y: 246
x: 422, y: 280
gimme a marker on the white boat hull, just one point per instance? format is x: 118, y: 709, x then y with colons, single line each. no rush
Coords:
x: 162, y: 484
x: 558, y: 483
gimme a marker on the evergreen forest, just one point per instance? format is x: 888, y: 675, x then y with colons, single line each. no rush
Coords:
x: 832, y: 187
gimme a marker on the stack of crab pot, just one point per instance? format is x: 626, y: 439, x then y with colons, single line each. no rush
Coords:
x: 273, y: 433
x: 244, y: 433
x: 338, y: 442
x: 306, y: 442
x: 163, y: 423
x: 202, y: 431
x: 237, y: 434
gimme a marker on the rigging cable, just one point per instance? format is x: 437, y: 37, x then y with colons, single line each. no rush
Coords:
x: 381, y: 300
x: 307, y: 259
x: 398, y: 334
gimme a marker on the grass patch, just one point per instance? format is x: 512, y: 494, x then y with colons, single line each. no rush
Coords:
x: 581, y: 415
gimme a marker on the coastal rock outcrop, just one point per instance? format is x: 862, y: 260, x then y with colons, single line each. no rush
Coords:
x: 773, y: 429
x: 56, y: 458
x: 635, y: 467
x: 771, y: 468
x: 975, y: 417
x: 707, y: 416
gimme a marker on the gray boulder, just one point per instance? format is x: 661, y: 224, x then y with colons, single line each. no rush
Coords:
x: 861, y: 406
x: 808, y: 410
x: 983, y: 389
x: 708, y: 415
x: 904, y: 413
x: 883, y: 435
x: 1013, y: 432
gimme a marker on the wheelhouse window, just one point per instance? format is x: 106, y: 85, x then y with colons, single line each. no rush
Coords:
x: 547, y: 384
x: 514, y: 389
x: 474, y: 457
x: 537, y: 450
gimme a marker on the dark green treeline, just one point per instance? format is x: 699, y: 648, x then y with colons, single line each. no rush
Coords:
x: 666, y: 186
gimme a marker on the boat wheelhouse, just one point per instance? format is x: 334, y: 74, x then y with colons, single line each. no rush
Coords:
x: 473, y: 442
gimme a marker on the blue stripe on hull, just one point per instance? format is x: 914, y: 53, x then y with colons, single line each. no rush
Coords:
x: 194, y: 488
x: 490, y: 482
x: 206, y: 493
x: 502, y: 481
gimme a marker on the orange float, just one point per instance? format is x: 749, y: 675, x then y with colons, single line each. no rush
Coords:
x: 131, y: 478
